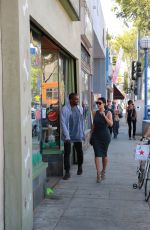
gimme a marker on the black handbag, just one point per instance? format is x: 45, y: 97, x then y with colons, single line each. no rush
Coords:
x: 91, y: 140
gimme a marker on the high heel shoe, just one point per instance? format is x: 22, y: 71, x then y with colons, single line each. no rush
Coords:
x: 98, y: 179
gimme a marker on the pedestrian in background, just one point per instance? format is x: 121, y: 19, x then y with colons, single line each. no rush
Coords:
x: 72, y: 123
x: 100, y: 136
x: 131, y: 117
x: 116, y: 123
x: 110, y: 107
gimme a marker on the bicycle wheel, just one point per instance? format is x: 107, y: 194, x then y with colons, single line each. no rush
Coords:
x: 141, y: 174
x: 140, y: 178
x: 147, y: 185
x: 146, y: 175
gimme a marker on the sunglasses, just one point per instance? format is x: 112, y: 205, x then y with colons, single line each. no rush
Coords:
x: 99, y: 103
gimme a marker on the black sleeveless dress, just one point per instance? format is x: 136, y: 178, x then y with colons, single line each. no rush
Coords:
x: 100, y: 135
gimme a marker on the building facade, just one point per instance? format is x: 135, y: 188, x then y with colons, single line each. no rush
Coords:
x: 46, y: 52
x: 99, y: 50
x: 86, y: 62
x: 41, y: 56
x: 1, y: 145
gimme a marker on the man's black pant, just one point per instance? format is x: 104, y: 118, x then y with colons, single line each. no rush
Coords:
x: 67, y: 151
x: 130, y: 123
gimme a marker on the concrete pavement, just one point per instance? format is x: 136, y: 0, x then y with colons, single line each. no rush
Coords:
x: 80, y: 203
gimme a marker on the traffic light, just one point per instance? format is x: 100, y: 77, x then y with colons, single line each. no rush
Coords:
x: 135, y: 90
x: 114, y: 60
x: 138, y: 69
x: 134, y: 66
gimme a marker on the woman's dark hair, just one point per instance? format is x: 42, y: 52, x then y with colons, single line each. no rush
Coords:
x: 130, y: 102
x: 102, y: 99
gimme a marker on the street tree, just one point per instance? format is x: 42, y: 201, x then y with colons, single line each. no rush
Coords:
x: 126, y: 41
x: 126, y: 82
x: 137, y: 11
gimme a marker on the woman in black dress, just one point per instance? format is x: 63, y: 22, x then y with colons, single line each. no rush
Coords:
x: 131, y: 119
x: 101, y: 136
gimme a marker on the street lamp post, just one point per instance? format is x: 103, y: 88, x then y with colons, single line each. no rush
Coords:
x: 145, y: 45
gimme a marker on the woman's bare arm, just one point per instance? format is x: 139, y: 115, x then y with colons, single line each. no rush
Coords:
x: 93, y: 119
x: 108, y: 118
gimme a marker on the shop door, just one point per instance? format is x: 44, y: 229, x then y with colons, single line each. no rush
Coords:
x: 50, y: 137
x: 35, y: 54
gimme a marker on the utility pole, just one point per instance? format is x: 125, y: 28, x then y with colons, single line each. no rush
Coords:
x: 139, y: 79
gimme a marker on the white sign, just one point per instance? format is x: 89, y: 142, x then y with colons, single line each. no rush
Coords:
x: 138, y: 108
x: 141, y: 152
x: 44, y: 113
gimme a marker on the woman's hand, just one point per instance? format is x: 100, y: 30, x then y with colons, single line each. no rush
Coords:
x: 67, y: 141
x: 102, y: 113
x: 108, y: 118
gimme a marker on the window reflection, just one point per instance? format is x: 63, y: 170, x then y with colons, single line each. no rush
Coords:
x: 35, y: 54
x: 52, y: 79
x: 85, y: 98
x: 50, y: 102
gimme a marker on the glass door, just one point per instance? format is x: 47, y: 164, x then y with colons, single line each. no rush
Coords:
x: 36, y: 73
x: 50, y: 97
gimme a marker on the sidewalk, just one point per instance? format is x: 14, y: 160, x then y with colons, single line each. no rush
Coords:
x: 82, y: 204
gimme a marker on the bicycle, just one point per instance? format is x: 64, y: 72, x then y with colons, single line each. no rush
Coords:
x: 147, y: 184
x: 147, y: 179
x: 143, y: 170
x: 141, y: 174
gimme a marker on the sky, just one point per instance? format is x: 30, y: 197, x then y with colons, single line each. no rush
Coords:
x: 114, y: 25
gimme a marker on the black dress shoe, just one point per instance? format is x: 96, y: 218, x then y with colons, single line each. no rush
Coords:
x: 66, y: 176
x: 79, y: 172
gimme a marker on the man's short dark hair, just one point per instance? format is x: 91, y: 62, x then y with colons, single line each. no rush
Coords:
x: 72, y: 95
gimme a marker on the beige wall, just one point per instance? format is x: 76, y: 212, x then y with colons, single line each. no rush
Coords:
x: 17, y: 114
x: 86, y: 25
x: 1, y: 142
x: 54, y: 19
x: 16, y: 95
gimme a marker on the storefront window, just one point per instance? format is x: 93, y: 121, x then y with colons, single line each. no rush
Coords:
x: 85, y: 56
x: 35, y: 54
x: 85, y: 99
x: 86, y: 82
x: 62, y: 79
x: 67, y: 76
x: 50, y: 98
x: 51, y: 93
x: 52, y: 78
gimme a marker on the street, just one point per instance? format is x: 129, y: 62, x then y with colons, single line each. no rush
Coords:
x: 80, y: 203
